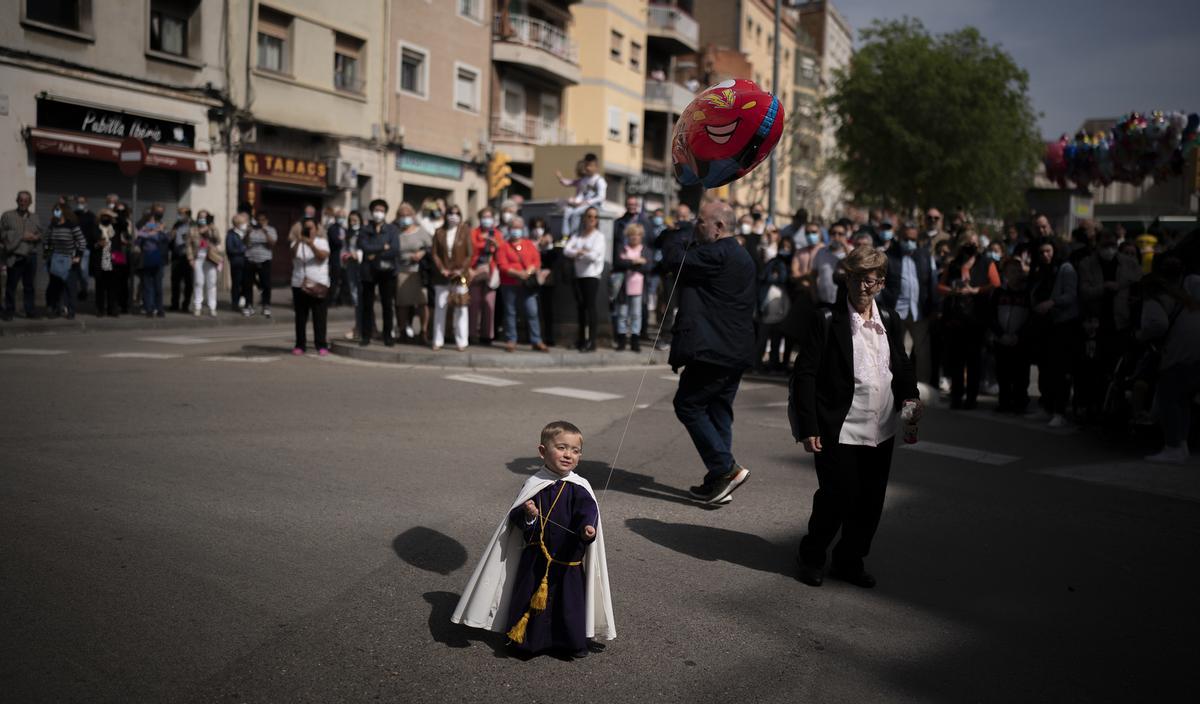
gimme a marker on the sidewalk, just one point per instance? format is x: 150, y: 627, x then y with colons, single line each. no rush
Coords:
x: 88, y: 322
x: 494, y: 357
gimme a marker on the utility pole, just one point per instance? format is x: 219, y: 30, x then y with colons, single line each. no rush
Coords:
x: 773, y: 172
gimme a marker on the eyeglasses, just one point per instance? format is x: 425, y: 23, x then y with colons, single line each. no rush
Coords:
x: 868, y: 282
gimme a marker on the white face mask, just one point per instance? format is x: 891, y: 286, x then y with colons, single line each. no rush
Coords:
x: 506, y: 217
x: 342, y: 221
x: 453, y: 219
x: 536, y: 232
x: 378, y: 215
x: 746, y: 228
x: 241, y: 229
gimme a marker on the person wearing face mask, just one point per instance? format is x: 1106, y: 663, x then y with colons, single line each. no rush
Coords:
x: 414, y: 243
x: 616, y: 279
x: 153, y: 242
x: 86, y: 220
x: 260, y: 247
x: 350, y: 265
x: 965, y: 287
x: 828, y: 261
x: 485, y: 277
x: 20, y: 236
x: 107, y: 285
x: 775, y: 302
x: 235, y: 253
x: 911, y: 289
x: 378, y: 246
x: 1106, y: 278
x: 432, y: 216
x: 335, y: 234
x: 64, y: 247
x: 519, y: 263
x: 122, y: 254
x: 887, y: 236
x: 549, y: 253
x: 206, y: 253
x: 804, y: 283
x: 586, y: 249
x: 182, y: 273
x: 451, y: 257
x: 1009, y: 315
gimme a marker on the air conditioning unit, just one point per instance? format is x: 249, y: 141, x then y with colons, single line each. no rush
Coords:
x: 347, y: 175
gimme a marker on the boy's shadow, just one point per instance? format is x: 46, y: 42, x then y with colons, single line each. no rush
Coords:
x: 456, y: 635
x: 716, y: 544
x: 623, y: 480
x: 430, y: 550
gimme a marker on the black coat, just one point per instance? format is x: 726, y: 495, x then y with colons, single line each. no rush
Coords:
x: 928, y: 300
x: 717, y: 296
x: 822, y: 385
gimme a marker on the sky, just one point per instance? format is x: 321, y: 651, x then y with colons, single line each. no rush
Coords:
x: 1084, y: 59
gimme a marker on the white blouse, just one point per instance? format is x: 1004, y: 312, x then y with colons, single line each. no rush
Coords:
x: 872, y: 418
x: 589, y: 264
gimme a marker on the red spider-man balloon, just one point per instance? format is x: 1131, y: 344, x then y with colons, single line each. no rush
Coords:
x: 725, y: 132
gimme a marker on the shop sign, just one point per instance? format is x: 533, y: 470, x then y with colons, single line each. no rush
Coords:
x: 116, y: 124
x: 282, y: 169
x: 429, y: 165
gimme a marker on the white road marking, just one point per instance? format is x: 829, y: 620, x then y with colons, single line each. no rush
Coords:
x: 581, y: 394
x: 32, y: 352
x: 643, y: 406
x: 670, y: 377
x: 178, y: 340
x: 234, y: 358
x: 961, y: 453
x: 482, y: 379
x: 141, y: 355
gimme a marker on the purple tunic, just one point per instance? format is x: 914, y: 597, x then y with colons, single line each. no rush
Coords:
x: 563, y: 624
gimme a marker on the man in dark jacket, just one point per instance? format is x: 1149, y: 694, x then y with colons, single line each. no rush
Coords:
x: 713, y: 340
x: 911, y: 291
x: 844, y: 405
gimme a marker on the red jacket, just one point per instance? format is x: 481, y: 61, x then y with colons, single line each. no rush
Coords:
x: 518, y: 255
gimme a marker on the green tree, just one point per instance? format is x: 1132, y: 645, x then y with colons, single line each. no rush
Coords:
x: 939, y: 120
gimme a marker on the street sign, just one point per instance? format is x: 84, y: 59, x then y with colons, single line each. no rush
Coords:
x: 131, y: 156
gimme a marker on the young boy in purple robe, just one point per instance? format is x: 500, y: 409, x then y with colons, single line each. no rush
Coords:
x: 544, y: 579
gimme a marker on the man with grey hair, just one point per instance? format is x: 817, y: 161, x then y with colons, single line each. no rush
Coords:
x: 713, y: 340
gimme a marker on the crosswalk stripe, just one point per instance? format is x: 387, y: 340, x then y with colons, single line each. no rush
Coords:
x: 178, y: 340
x: 141, y: 355
x: 961, y: 453
x: 235, y: 358
x: 581, y: 394
x: 32, y: 352
x: 482, y: 379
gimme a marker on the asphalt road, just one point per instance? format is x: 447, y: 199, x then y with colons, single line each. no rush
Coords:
x: 184, y: 522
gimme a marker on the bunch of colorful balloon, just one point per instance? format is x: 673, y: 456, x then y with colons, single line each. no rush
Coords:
x: 1137, y: 147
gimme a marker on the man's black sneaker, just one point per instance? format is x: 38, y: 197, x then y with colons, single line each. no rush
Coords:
x: 812, y: 576
x: 715, y: 491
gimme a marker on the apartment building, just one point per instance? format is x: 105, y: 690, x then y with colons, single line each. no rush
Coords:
x: 804, y: 158
x: 438, y: 101
x: 833, y: 41
x: 608, y: 104
x: 672, y: 77
x: 534, y: 60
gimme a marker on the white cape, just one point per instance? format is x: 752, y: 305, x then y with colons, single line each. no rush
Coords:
x: 485, y: 601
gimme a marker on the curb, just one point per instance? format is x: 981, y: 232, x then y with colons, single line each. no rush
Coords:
x: 88, y: 323
x: 494, y: 358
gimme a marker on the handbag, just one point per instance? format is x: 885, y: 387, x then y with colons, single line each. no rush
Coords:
x: 460, y: 292
x: 313, y: 288
x: 213, y: 254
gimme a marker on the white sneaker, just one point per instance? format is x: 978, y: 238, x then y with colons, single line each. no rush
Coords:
x: 1057, y: 421
x: 1170, y: 455
x: 241, y: 302
x: 196, y: 312
x: 247, y: 312
x: 266, y: 312
x: 213, y: 312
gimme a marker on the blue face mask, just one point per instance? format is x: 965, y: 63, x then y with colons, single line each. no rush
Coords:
x: 995, y: 256
x: 658, y: 221
x: 486, y: 223
x: 812, y: 237
x: 887, y: 235
x: 58, y: 212
x: 909, y: 246
x: 406, y: 221
x: 516, y: 233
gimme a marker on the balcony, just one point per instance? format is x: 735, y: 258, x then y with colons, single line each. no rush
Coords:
x: 676, y: 30
x: 521, y: 134
x: 667, y: 96
x: 537, y: 47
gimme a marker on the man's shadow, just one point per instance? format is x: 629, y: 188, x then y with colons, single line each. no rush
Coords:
x: 716, y: 544
x: 623, y: 480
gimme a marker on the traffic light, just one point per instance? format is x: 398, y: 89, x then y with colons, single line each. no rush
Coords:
x: 498, y: 171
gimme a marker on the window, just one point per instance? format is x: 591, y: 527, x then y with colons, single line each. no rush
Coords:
x: 466, y: 88
x: 59, y: 13
x: 471, y: 9
x: 168, y: 33
x: 551, y: 110
x: 414, y: 70
x: 614, y: 124
x: 635, y: 56
x: 347, y: 58
x: 635, y: 128
x: 512, y: 106
x: 274, y: 33
x: 614, y: 51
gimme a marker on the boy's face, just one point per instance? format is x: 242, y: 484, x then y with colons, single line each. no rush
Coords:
x: 562, y: 455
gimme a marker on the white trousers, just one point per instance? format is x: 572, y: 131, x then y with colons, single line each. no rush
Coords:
x: 204, y: 274
x: 441, y: 298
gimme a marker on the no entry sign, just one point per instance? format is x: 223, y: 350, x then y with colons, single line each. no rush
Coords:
x: 131, y: 156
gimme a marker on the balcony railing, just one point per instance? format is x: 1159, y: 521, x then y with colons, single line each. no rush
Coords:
x: 530, y: 130
x: 665, y: 18
x: 668, y: 93
x: 537, y: 34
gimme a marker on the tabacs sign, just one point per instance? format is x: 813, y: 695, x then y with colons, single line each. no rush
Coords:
x: 282, y: 169
x: 101, y: 122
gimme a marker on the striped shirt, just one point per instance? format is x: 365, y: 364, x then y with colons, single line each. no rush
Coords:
x: 259, y: 243
x: 65, y: 238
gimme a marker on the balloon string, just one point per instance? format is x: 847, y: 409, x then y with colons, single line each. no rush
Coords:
x: 649, y: 361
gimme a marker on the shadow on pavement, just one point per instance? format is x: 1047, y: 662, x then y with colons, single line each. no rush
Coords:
x: 429, y: 550
x: 716, y: 544
x: 455, y: 635
x: 623, y: 480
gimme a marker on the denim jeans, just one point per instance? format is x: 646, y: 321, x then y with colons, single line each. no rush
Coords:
x: 152, y: 301
x: 629, y: 316
x: 527, y: 298
x: 704, y: 404
x: 23, y: 271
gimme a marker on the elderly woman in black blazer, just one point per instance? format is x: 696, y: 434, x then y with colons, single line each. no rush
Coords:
x: 850, y: 382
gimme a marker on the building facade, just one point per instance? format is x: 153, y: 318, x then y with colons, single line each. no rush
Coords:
x: 438, y: 101
x: 833, y: 41
x: 673, y: 78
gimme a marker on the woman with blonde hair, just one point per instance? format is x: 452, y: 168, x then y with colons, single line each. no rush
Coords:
x: 451, y: 253
x: 410, y: 293
x: 206, y: 254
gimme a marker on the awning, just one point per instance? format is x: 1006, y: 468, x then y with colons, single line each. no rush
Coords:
x: 85, y: 146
